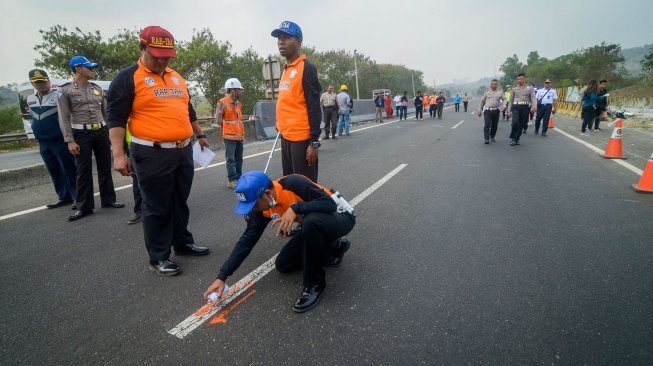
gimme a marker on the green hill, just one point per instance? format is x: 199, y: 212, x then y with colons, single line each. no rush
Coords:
x: 633, y: 57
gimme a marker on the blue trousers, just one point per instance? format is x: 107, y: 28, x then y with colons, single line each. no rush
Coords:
x: 234, y: 155
x: 60, y: 164
x: 343, y: 122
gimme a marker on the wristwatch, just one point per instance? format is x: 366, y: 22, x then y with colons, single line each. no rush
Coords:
x: 202, y: 136
x: 316, y: 144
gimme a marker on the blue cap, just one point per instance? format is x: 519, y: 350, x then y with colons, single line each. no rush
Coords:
x: 249, y: 189
x: 81, y: 61
x: 289, y: 28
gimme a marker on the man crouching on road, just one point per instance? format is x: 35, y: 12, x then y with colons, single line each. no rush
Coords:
x: 325, y: 216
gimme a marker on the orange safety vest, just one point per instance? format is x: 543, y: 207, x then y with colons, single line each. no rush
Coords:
x: 425, y: 101
x: 292, y: 115
x: 433, y: 100
x: 285, y: 199
x: 232, y: 120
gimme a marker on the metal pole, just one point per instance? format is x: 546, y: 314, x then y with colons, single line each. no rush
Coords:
x: 271, y: 153
x: 356, y: 72
x: 412, y: 79
x: 271, y: 76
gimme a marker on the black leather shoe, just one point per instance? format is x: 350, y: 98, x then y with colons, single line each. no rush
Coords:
x: 341, y: 246
x: 165, y: 268
x: 308, y: 300
x: 487, y: 142
x: 113, y: 205
x: 493, y: 140
x: 79, y: 214
x: 334, y: 137
x: 74, y: 206
x: 516, y: 142
x: 325, y: 137
x: 543, y: 134
x: 138, y: 217
x: 192, y: 249
x: 58, y: 204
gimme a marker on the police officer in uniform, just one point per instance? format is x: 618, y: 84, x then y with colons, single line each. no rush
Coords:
x: 325, y: 216
x: 547, y: 98
x: 492, y: 103
x: 522, y: 103
x: 229, y: 116
x: 82, y: 121
x: 54, y: 151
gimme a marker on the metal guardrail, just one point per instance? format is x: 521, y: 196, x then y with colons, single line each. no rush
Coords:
x: 14, y: 137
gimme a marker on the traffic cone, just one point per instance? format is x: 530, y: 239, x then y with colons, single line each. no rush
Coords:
x: 551, y: 122
x: 614, y: 149
x: 645, y: 184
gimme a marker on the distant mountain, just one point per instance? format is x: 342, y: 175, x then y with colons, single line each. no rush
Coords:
x: 633, y: 57
x: 8, y: 97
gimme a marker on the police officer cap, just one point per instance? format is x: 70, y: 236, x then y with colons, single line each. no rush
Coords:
x: 81, y: 61
x: 38, y: 75
x: 289, y: 28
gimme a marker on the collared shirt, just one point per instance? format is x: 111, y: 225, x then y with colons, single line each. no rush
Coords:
x: 546, y: 96
x: 328, y: 99
x: 397, y: 100
x: 77, y: 104
x: 45, y: 120
x: 157, y: 106
x: 298, y: 107
x: 343, y: 101
x: 466, y: 98
x: 522, y: 94
x: 492, y: 99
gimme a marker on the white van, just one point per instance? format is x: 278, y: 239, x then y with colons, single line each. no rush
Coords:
x: 26, y: 89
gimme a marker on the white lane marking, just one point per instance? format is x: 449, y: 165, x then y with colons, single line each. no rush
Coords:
x: 458, y: 124
x: 594, y: 148
x: 192, y: 322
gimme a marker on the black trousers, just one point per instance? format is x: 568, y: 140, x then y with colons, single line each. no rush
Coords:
x: 293, y: 159
x: 136, y: 190
x: 597, y: 118
x: 457, y: 106
x: 588, y: 117
x: 543, y: 115
x: 330, y: 115
x: 432, y: 109
x: 165, y: 177
x: 519, y: 120
x: 491, y: 122
x: 312, y: 248
x: 93, y: 142
x: 440, y: 108
x: 419, y: 112
x: 465, y: 105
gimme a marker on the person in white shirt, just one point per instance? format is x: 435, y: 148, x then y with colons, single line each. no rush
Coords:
x: 547, y: 99
x: 397, y: 100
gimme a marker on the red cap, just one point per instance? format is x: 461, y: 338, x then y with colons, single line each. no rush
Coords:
x: 160, y: 42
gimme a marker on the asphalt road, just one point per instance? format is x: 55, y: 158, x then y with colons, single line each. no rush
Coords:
x: 471, y: 254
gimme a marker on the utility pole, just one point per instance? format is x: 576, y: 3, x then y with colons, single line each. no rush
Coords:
x: 412, y: 79
x: 356, y: 72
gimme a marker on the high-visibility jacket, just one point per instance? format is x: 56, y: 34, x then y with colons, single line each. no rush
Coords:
x: 285, y: 197
x: 425, y: 102
x: 433, y: 100
x: 232, y: 120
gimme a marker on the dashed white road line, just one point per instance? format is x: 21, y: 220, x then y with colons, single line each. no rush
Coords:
x: 192, y: 322
x: 457, y: 124
x: 594, y: 148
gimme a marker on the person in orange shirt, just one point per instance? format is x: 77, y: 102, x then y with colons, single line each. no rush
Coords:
x: 298, y: 106
x: 229, y: 116
x: 162, y: 121
x: 425, y: 102
x: 433, y: 104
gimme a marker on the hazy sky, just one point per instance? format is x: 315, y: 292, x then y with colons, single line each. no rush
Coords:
x: 447, y: 40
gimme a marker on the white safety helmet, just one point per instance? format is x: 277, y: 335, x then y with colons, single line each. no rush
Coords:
x: 233, y: 83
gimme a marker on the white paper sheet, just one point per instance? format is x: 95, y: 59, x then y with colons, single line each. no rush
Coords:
x: 203, y: 158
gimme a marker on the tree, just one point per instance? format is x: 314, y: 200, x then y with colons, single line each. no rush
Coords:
x: 603, y: 61
x: 647, y: 66
x: 60, y: 45
x: 511, y: 68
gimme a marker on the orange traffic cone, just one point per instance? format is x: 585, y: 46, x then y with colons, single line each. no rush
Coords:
x: 614, y: 148
x: 645, y: 184
x: 551, y: 122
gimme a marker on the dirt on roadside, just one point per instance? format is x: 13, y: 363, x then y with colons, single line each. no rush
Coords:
x: 635, y: 91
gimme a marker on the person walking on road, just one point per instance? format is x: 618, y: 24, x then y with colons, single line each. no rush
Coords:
x: 456, y: 102
x: 404, y: 106
x: 507, y: 94
x: 590, y: 98
x: 229, y: 116
x: 425, y: 103
x: 547, y: 99
x: 325, y: 216
x: 162, y: 121
x: 441, y: 101
x: 465, y: 101
x: 82, y: 118
x: 601, y: 104
x: 521, y: 104
x: 397, y: 100
x: 491, y: 104
x: 419, y: 103
x: 58, y: 161
x: 343, y: 101
x: 298, y: 106
x: 379, y: 105
x: 388, y: 106
x: 329, y: 112
x: 433, y: 104
x: 531, y: 114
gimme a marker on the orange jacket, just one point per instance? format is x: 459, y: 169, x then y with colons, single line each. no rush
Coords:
x: 232, y: 120
x: 285, y: 198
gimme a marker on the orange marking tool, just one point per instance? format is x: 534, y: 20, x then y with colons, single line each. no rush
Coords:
x: 222, y: 318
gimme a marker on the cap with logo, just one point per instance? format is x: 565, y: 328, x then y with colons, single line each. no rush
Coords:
x: 249, y: 189
x: 343, y: 87
x: 159, y: 42
x: 233, y: 83
x: 289, y: 28
x: 38, y: 75
x: 548, y: 81
x: 81, y: 61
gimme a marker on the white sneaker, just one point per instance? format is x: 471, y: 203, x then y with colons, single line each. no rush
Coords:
x: 583, y: 134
